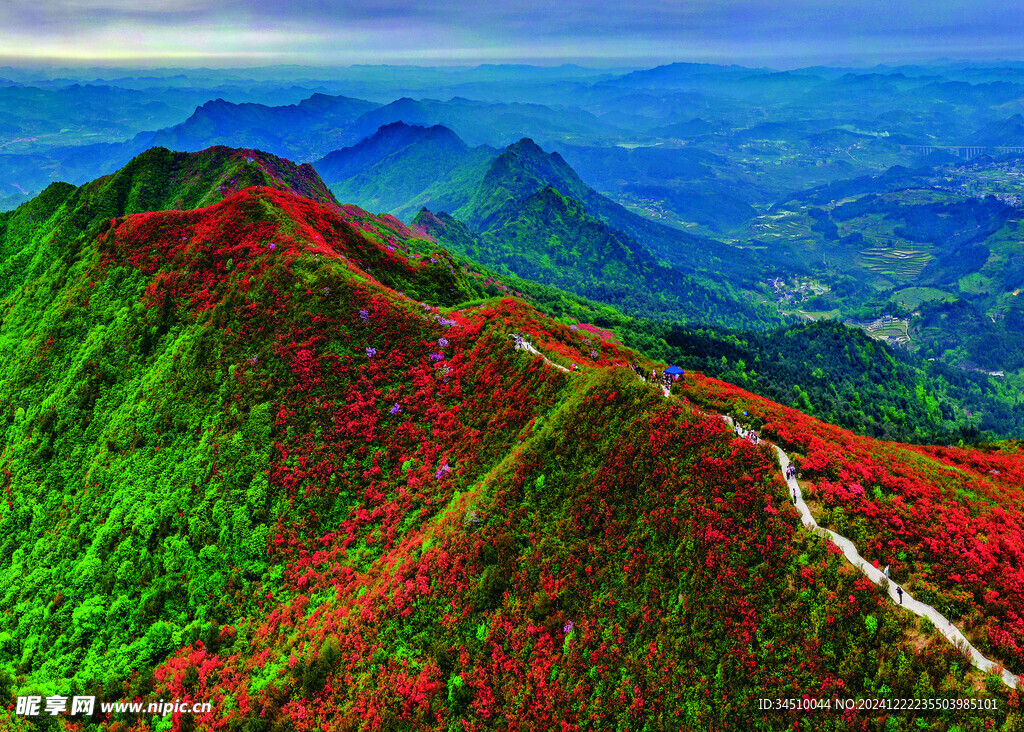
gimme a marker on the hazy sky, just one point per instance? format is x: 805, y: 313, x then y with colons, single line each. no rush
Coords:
x: 780, y: 33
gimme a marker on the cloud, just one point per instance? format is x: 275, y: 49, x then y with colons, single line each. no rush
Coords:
x: 367, y: 31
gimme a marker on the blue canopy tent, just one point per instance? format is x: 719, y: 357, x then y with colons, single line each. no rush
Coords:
x: 673, y: 370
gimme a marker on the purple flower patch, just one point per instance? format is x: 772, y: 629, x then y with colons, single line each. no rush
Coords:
x: 397, y: 409
x: 371, y: 352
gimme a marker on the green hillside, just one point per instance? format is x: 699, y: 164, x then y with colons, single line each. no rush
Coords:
x: 277, y: 455
x: 402, y: 168
x: 524, y: 168
x: 519, y: 223
x: 47, y: 232
x: 553, y: 239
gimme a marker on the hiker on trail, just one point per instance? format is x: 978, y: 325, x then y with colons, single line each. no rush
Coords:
x: 886, y: 571
x: 794, y: 496
x: 899, y: 591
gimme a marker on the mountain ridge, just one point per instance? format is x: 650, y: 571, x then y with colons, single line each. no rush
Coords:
x: 401, y: 168
x: 271, y: 454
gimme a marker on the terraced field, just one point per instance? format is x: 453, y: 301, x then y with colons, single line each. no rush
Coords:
x: 902, y: 263
x: 897, y: 331
x: 788, y: 225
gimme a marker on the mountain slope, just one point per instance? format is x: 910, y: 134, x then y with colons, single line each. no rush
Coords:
x: 947, y: 519
x: 520, y: 223
x: 502, y: 197
x: 1005, y: 133
x: 243, y: 465
x: 524, y: 168
x: 302, y: 131
x: 47, y: 232
x: 402, y: 168
x: 553, y: 239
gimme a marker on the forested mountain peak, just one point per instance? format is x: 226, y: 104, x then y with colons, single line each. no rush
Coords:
x: 518, y: 172
x: 385, y: 141
x: 299, y: 131
x: 53, y: 227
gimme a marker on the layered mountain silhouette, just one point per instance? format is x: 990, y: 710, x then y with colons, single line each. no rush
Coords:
x: 1005, y: 133
x: 527, y: 212
x: 298, y: 131
x: 480, y: 122
x: 402, y: 168
x: 483, y: 196
x: 304, y: 131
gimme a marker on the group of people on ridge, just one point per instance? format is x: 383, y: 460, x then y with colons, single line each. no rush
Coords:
x: 663, y: 379
x: 747, y: 433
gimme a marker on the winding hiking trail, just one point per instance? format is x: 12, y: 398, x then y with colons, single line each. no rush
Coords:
x: 525, y: 345
x: 941, y: 623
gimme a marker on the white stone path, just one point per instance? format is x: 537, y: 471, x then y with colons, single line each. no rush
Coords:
x: 874, y: 574
x: 522, y: 343
x: 527, y: 346
x: 942, y: 625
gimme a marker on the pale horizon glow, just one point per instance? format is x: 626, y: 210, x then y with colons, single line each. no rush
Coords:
x: 777, y: 33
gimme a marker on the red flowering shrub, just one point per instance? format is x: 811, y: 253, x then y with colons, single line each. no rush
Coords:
x: 947, y: 520
x: 381, y: 515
